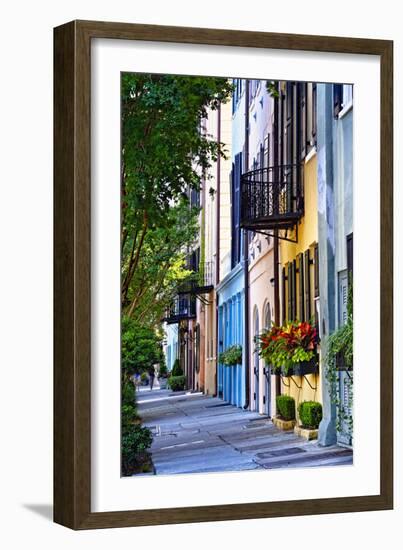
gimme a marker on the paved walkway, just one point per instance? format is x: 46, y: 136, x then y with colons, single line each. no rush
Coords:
x: 196, y: 433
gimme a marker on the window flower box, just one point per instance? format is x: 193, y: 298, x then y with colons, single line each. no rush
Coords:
x: 302, y: 368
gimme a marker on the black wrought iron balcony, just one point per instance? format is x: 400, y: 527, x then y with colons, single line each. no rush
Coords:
x: 272, y: 198
x: 181, y: 309
x: 201, y: 281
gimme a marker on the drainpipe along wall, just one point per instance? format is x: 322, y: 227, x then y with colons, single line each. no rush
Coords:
x: 275, y: 243
x: 217, y: 244
x: 246, y: 256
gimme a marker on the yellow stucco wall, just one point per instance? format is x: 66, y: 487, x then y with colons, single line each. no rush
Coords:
x: 308, y: 228
x: 307, y: 237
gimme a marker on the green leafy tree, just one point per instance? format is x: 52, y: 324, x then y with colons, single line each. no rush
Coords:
x: 161, y: 267
x: 165, y: 153
x: 141, y: 347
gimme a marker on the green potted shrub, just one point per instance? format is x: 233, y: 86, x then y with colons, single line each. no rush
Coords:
x: 177, y: 369
x: 285, y: 419
x: 177, y: 383
x: 310, y: 415
x: 231, y: 356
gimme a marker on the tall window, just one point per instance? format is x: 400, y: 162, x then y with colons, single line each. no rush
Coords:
x: 236, y: 210
x: 302, y: 111
x: 256, y: 335
x: 267, y: 316
x: 236, y: 96
x: 289, y: 123
x: 342, y: 97
x: 266, y: 151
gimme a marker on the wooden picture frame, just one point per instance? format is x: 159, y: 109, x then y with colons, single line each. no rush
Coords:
x: 72, y: 319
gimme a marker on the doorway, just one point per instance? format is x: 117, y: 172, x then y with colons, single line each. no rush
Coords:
x: 266, y: 368
x: 256, y: 360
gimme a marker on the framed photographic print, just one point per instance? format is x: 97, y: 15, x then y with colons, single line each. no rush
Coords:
x: 223, y: 275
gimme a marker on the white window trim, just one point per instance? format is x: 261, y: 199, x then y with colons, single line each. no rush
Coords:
x: 310, y: 155
x: 345, y: 109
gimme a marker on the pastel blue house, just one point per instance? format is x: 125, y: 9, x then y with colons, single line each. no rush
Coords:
x: 231, y: 384
x: 335, y: 223
x: 171, y: 349
x: 231, y: 380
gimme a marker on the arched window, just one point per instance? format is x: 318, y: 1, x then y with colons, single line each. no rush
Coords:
x: 267, y: 315
x: 256, y: 335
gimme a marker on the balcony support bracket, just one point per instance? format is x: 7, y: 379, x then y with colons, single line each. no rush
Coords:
x: 284, y: 237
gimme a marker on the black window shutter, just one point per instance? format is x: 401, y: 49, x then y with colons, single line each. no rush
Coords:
x: 283, y: 296
x: 289, y: 288
x: 301, y: 287
x: 350, y: 256
x: 316, y: 271
x: 307, y: 265
x: 281, y: 128
x: 314, y: 111
x: 337, y: 98
x: 238, y: 210
x: 236, y: 207
x: 233, y: 236
x: 294, y: 289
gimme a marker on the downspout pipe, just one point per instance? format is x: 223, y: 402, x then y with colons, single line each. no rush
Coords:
x: 217, y: 255
x: 246, y: 258
x: 218, y: 198
x: 276, y: 240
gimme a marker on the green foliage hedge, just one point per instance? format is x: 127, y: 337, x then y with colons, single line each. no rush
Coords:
x: 310, y: 414
x: 136, y: 440
x: 286, y: 407
x: 177, y: 383
x: 135, y: 444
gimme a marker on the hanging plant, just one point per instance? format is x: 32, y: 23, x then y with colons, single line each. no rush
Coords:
x: 231, y: 356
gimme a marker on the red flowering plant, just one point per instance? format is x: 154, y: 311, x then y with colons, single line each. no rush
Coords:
x: 291, y: 343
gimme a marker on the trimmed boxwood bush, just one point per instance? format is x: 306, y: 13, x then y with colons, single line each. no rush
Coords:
x: 177, y: 383
x: 177, y: 369
x: 286, y: 407
x: 310, y: 414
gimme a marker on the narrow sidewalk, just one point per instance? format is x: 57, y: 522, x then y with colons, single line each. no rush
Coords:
x: 197, y: 433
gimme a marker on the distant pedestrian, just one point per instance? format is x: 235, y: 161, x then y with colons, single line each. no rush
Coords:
x: 137, y: 379
x: 151, y: 374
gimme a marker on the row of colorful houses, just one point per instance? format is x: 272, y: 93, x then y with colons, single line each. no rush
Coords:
x: 275, y: 243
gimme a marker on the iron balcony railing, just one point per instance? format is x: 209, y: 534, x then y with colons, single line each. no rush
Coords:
x: 201, y: 281
x: 272, y: 198
x: 182, y: 308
